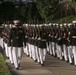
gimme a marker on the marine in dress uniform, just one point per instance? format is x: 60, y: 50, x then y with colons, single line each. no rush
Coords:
x: 1, y: 37
x: 65, y: 35
x: 60, y: 42
x: 33, y: 43
x: 36, y: 43
x: 50, y: 39
x: 74, y: 41
x: 47, y: 29
x: 69, y: 44
x: 26, y: 49
x: 56, y: 41
x: 9, y: 47
x: 16, y: 39
x: 30, y: 41
x: 53, y: 39
x: 5, y: 39
x: 42, y: 45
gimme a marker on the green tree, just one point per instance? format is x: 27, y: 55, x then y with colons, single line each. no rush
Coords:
x: 7, y: 10
x: 74, y: 4
x: 30, y: 12
x: 47, y: 9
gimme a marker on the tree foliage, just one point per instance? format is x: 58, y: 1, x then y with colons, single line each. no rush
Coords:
x: 19, y: 10
x: 30, y: 12
x: 47, y: 8
x: 38, y: 11
x: 7, y: 10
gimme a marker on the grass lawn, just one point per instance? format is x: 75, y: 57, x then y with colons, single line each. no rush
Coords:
x: 3, y: 67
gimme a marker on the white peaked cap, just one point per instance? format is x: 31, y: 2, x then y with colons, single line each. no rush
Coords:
x: 5, y: 25
x: 26, y: 24
x: 10, y: 25
x: 57, y: 24
x: 37, y: 25
x: 33, y: 25
x: 69, y: 24
x: 41, y: 25
x: 2, y: 24
x: 54, y: 23
x: 65, y: 24
x: 61, y: 25
x: 23, y: 24
x: 16, y: 21
x: 45, y: 24
x: 74, y: 21
x: 49, y: 23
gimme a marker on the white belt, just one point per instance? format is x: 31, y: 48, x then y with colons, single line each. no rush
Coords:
x: 55, y: 36
x: 43, y: 40
x: 25, y: 36
x: 32, y: 37
x: 73, y: 36
x: 59, y: 38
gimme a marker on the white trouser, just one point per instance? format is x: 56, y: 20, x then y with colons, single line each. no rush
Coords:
x: 10, y: 54
x: 37, y: 54
x: 57, y: 50
x: 53, y: 48
x: 42, y: 54
x: 33, y: 52
x: 1, y: 42
x: 70, y: 54
x: 25, y: 49
x: 50, y: 48
x: 47, y: 47
x: 74, y: 54
x: 30, y: 50
x: 6, y: 49
x: 17, y: 54
x: 27, y: 44
x: 65, y: 52
x: 60, y: 52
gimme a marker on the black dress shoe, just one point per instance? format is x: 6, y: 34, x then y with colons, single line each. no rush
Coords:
x: 7, y: 57
x: 42, y: 64
x: 67, y: 61
x: 39, y: 62
x: 27, y: 55
x: 71, y: 63
x: 48, y: 53
x: 35, y: 60
x: 18, y: 65
x: 17, y: 68
x: 12, y: 63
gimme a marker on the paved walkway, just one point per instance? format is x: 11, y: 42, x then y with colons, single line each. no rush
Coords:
x: 52, y: 66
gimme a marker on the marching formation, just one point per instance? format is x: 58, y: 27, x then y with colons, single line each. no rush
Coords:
x: 37, y: 40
